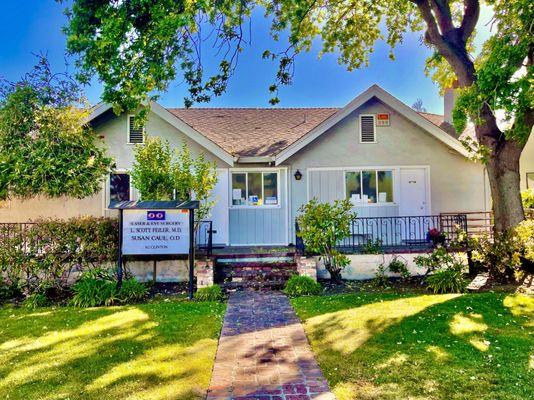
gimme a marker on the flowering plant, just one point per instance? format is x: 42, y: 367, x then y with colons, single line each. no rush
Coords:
x: 435, y: 236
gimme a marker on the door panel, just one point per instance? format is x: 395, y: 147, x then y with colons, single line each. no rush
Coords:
x: 413, y: 192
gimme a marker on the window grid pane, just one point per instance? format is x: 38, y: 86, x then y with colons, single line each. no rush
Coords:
x: 369, y: 186
x: 239, y: 189
x: 270, y: 188
x: 353, y: 185
x: 255, y: 188
x: 385, y: 186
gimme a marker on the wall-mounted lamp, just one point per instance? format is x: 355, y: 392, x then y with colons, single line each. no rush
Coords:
x: 298, y: 175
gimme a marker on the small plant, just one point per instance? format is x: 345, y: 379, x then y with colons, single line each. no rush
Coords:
x: 132, y: 291
x: 209, y: 293
x: 372, y: 247
x: 322, y: 226
x: 527, y: 196
x: 397, y: 266
x: 35, y: 300
x: 381, y: 280
x: 440, y: 258
x: 299, y: 285
x: 450, y: 280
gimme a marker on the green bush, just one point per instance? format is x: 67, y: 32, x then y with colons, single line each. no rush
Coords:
x: 381, y: 280
x: 528, y: 198
x: 209, y: 293
x: 302, y: 286
x: 372, y: 247
x: 449, y: 280
x: 397, y: 266
x: 44, y: 253
x: 322, y: 226
x: 439, y: 259
x: 94, y: 291
x: 35, y: 300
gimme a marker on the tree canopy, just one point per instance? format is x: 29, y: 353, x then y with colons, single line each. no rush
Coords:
x: 45, y: 146
x: 136, y: 48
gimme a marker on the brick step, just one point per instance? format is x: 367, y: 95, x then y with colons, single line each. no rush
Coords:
x: 257, y: 285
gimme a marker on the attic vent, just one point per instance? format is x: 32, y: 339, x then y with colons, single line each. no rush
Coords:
x: 135, y: 133
x: 367, y: 129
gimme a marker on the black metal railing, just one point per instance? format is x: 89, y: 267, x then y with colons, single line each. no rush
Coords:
x: 204, y: 237
x: 397, y: 234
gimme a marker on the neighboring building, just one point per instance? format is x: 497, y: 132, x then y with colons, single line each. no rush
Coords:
x: 526, y: 165
x: 378, y: 152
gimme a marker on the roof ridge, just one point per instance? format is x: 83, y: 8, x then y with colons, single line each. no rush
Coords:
x: 425, y: 112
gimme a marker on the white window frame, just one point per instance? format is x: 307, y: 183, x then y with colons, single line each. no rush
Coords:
x: 374, y: 127
x: 376, y: 170
x: 527, y: 178
x: 128, y: 131
x: 246, y: 172
x: 133, y: 192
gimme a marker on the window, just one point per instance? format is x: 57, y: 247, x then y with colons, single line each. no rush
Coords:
x: 135, y: 133
x: 255, y: 188
x: 367, y: 129
x: 119, y: 187
x: 530, y: 180
x: 369, y: 187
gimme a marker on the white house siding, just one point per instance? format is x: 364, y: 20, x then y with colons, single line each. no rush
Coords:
x: 456, y: 184
x: 259, y: 225
x: 113, y: 129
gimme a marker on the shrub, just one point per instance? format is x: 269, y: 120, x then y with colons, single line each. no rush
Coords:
x: 322, y: 226
x: 372, y: 247
x: 397, y: 266
x: 440, y: 258
x: 98, y: 288
x: 35, y: 300
x: 46, y: 252
x: 507, y: 255
x: 528, y: 198
x: 299, y: 285
x: 381, y: 280
x: 449, y: 280
x: 209, y: 293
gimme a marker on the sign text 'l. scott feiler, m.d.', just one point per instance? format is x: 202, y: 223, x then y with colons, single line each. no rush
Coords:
x: 155, y: 232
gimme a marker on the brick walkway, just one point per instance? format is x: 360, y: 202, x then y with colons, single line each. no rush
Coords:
x: 264, y: 354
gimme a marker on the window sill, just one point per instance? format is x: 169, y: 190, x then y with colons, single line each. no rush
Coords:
x: 374, y: 204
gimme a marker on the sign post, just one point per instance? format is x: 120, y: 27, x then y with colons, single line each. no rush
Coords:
x: 156, y: 228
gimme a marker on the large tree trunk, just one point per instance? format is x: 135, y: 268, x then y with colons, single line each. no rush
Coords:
x: 504, y: 178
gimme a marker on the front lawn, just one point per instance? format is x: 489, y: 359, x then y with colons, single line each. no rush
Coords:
x: 401, y: 346
x: 158, y: 350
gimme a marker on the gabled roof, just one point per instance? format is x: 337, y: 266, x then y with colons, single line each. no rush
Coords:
x: 374, y: 91
x: 275, y: 134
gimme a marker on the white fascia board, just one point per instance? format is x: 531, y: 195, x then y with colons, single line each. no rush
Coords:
x: 192, y: 133
x: 255, y: 159
x: 97, y: 111
x: 388, y: 99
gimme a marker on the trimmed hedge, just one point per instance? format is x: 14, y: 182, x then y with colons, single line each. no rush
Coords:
x: 40, y: 256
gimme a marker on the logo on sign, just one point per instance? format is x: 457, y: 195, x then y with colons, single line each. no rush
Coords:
x: 155, y: 215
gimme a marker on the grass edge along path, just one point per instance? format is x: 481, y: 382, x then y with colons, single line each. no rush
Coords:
x: 159, y: 350
x: 413, y: 346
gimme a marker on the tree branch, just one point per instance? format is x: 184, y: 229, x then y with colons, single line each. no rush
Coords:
x: 469, y: 22
x: 443, y: 15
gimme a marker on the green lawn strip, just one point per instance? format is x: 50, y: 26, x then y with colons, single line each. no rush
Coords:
x: 159, y: 350
x: 472, y: 346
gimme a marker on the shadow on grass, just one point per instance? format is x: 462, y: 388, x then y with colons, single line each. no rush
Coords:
x: 161, y: 350
x: 476, y: 346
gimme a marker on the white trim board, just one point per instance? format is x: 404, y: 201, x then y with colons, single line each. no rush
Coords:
x: 386, y: 98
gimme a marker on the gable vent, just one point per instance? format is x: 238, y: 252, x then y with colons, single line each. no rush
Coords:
x: 367, y: 129
x: 135, y: 134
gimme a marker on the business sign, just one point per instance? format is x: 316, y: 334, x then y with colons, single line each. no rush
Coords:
x: 382, y: 119
x: 155, y: 232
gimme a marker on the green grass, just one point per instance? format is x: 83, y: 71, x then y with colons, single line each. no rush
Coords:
x: 158, y: 350
x: 401, y: 346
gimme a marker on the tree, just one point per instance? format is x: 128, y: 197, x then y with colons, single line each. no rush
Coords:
x: 322, y: 226
x: 418, y: 106
x: 45, y: 146
x: 136, y: 47
x: 159, y: 173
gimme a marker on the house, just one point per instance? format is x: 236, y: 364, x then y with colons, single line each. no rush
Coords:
x: 526, y: 165
x: 388, y: 159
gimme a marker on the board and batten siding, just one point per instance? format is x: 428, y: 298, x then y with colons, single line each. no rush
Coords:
x: 329, y: 185
x: 261, y: 225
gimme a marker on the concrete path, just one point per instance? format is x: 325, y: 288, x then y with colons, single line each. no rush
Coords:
x: 263, y: 353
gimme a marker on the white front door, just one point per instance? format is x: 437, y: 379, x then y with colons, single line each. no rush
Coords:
x: 413, y: 192
x: 219, y: 214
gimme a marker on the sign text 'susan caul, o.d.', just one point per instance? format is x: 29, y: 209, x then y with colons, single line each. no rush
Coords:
x: 155, y: 232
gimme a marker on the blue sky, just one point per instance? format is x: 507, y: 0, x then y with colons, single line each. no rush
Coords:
x: 33, y: 26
